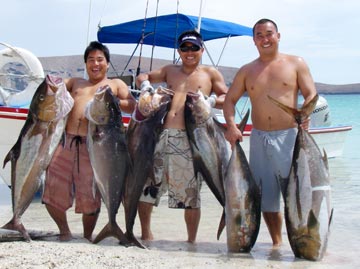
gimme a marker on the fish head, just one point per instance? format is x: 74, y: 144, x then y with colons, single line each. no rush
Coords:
x: 98, y: 109
x: 308, y: 245
x: 197, y: 108
x: 44, y: 103
x: 151, y: 102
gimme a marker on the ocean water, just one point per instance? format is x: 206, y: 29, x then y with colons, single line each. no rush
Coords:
x: 344, y: 239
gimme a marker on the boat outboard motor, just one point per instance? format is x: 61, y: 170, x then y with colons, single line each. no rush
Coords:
x: 321, y: 114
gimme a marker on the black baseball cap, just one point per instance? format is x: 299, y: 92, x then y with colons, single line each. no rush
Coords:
x: 192, y: 37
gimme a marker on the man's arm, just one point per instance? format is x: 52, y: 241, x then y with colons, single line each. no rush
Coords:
x: 306, y: 86
x: 127, y: 101
x: 236, y: 90
x: 219, y: 88
x: 155, y: 76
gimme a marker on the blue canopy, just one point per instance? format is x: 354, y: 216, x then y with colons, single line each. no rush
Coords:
x: 163, y: 30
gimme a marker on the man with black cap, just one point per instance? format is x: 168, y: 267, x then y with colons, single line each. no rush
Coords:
x: 173, y: 150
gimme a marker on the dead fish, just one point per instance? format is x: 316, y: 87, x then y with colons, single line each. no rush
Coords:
x: 210, y: 149
x: 243, y: 201
x: 109, y: 157
x: 38, y: 139
x: 142, y: 135
x: 307, y: 192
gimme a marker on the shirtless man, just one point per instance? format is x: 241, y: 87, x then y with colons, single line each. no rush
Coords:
x: 182, y: 184
x: 272, y: 139
x: 69, y: 175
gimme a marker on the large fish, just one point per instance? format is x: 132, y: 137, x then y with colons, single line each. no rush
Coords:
x: 142, y: 135
x: 308, y: 210
x: 109, y: 157
x: 38, y: 139
x: 243, y: 201
x: 210, y: 149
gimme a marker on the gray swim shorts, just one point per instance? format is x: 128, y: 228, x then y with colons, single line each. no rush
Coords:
x: 174, y: 172
x: 270, y: 158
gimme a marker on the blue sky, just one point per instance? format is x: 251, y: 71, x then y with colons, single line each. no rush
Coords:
x: 323, y: 32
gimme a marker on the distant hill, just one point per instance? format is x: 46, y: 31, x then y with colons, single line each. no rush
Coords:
x: 73, y: 66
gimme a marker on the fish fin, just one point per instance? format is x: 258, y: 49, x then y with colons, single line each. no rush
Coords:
x: 244, y: 121
x: 325, y: 159
x: 219, y: 124
x: 331, y: 216
x: 63, y: 140
x: 14, y: 152
x: 221, y: 225
x: 111, y: 229
x: 312, y: 222
x: 133, y: 240
x: 283, y: 182
x: 298, y: 202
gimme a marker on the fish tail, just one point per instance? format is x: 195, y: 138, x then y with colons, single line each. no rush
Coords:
x: 133, y: 240
x: 244, y: 121
x: 221, y: 225
x: 299, y: 114
x: 111, y: 229
x: 16, y: 225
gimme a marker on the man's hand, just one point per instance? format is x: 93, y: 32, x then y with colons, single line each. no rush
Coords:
x: 146, y: 86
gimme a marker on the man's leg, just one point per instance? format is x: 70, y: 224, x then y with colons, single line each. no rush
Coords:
x: 274, y: 223
x: 89, y: 223
x: 192, y: 220
x: 61, y: 221
x: 144, y: 210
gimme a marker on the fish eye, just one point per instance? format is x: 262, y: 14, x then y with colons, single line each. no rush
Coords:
x: 42, y: 97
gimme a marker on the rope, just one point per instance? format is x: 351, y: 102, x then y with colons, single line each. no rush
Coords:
x: 176, y: 32
x: 142, y: 39
x: 153, y: 46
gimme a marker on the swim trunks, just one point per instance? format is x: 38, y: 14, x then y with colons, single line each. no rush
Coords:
x: 270, y: 158
x: 70, y: 176
x: 174, y: 172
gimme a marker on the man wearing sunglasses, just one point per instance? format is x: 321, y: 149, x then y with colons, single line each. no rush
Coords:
x: 173, y: 149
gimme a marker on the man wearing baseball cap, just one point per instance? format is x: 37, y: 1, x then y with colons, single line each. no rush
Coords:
x: 173, y: 160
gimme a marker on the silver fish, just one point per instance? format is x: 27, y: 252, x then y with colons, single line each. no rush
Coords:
x: 243, y: 201
x: 142, y: 135
x: 307, y: 192
x: 210, y: 149
x: 109, y: 157
x: 38, y: 139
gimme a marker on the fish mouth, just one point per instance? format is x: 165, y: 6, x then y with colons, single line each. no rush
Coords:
x: 150, y: 102
x: 101, y: 92
x: 53, y: 81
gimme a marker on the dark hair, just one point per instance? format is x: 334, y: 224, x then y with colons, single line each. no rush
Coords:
x: 189, y: 33
x: 95, y: 45
x: 263, y: 21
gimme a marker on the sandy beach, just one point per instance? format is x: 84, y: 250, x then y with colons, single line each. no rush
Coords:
x: 168, y: 250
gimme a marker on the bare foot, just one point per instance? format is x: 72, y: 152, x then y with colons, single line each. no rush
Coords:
x: 277, y: 245
x: 147, y: 236
x: 89, y: 238
x: 65, y: 237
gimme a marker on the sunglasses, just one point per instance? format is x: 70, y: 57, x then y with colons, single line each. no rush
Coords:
x: 189, y: 48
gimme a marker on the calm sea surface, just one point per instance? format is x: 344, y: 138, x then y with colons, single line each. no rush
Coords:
x: 344, y: 240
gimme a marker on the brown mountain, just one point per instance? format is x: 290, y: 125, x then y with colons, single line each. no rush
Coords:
x: 73, y: 66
